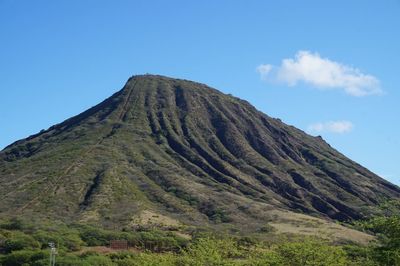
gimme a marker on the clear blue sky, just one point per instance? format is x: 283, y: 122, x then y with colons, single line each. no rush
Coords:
x: 58, y: 58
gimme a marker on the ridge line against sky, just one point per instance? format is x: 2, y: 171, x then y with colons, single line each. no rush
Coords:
x: 329, y: 68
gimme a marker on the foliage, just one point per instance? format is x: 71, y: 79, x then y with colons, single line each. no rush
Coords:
x: 208, y: 251
x: 146, y: 259
x: 28, y: 245
x: 12, y: 224
x: 156, y: 240
x: 99, y: 260
x: 311, y: 252
x: 18, y: 241
x: 387, y: 251
x: 23, y: 257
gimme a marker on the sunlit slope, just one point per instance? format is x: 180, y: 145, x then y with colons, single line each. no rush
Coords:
x: 179, y: 149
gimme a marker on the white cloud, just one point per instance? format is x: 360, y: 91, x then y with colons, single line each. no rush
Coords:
x: 264, y: 70
x: 339, y: 127
x: 322, y: 73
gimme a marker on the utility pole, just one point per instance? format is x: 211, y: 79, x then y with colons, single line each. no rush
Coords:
x: 53, y: 253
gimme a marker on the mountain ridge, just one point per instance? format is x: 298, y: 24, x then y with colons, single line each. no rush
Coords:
x: 187, y: 151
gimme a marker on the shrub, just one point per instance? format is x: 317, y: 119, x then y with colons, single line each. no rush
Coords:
x: 267, y: 258
x: 65, y: 239
x: 71, y: 260
x: 209, y: 251
x: 13, y: 224
x: 23, y: 257
x: 148, y: 259
x: 388, y: 231
x: 99, y: 260
x: 311, y: 252
x: 18, y: 241
x: 96, y: 236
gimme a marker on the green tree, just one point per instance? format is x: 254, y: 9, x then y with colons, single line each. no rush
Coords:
x: 23, y: 257
x: 99, y: 260
x: 18, y: 241
x: 210, y: 251
x: 387, y: 251
x: 311, y: 252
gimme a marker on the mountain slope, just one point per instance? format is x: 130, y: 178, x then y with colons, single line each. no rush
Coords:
x: 182, y: 150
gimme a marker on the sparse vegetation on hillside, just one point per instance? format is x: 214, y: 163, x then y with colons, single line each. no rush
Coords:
x: 23, y: 243
x: 188, y: 153
x: 187, y: 176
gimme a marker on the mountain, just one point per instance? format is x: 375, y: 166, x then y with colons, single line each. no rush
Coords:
x: 172, y: 151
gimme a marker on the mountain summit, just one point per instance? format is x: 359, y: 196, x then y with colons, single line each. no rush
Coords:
x: 182, y: 152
